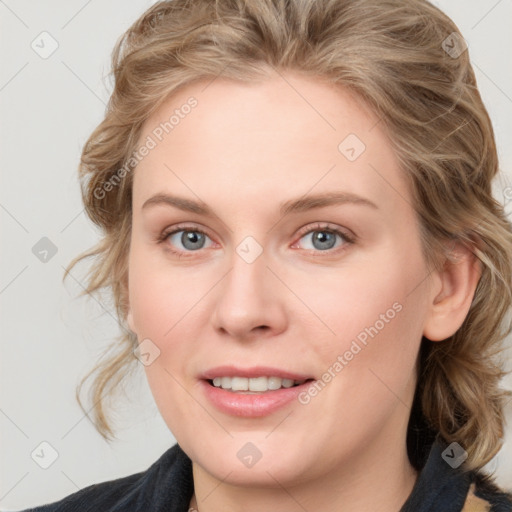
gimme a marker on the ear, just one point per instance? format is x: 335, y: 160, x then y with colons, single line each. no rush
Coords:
x: 452, y: 293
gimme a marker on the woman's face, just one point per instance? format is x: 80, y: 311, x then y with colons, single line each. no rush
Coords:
x: 273, y: 236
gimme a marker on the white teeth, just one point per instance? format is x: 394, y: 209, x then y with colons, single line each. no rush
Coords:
x: 239, y: 383
x: 258, y: 384
x: 254, y: 384
x: 287, y: 383
x: 274, y: 382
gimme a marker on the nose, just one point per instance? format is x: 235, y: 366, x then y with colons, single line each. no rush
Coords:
x: 249, y: 301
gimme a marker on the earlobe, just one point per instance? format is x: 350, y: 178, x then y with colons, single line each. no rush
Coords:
x: 129, y: 320
x: 449, y: 307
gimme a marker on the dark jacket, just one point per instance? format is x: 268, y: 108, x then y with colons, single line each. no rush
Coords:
x: 167, y: 486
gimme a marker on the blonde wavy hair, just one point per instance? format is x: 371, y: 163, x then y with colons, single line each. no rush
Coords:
x: 390, y: 54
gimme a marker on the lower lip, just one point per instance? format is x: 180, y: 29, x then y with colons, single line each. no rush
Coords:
x: 251, y: 405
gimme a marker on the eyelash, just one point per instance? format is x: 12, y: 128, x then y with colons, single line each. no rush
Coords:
x: 322, y: 227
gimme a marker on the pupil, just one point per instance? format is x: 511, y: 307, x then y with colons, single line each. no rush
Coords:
x: 325, y: 240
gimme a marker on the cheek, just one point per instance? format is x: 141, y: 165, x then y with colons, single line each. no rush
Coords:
x: 352, y: 300
x: 374, y: 312
x: 161, y: 303
x: 159, y: 295
x: 168, y: 307
x: 367, y: 367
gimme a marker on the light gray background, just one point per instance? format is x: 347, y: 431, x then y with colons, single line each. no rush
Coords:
x: 49, y: 336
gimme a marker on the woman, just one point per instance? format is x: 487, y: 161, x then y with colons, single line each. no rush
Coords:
x: 302, y: 245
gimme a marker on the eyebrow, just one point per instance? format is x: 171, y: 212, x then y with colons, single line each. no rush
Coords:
x: 322, y: 200
x: 292, y: 206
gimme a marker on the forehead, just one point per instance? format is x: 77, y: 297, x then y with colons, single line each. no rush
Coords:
x: 283, y: 136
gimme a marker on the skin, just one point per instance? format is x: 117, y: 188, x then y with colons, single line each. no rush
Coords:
x: 243, y: 151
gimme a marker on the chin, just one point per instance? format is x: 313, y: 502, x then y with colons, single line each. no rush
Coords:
x: 248, y: 465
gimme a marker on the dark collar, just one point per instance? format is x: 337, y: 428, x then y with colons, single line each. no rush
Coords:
x: 439, y: 485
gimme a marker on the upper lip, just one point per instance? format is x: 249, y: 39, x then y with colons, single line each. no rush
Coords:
x: 253, y: 371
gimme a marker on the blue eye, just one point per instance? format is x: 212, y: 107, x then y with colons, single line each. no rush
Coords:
x: 324, y: 239
x: 191, y: 240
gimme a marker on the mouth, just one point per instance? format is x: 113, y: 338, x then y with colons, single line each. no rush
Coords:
x: 252, y: 392
x: 255, y: 385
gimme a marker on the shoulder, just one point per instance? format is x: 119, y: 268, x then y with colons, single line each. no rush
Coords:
x: 485, y: 496
x: 165, y: 485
